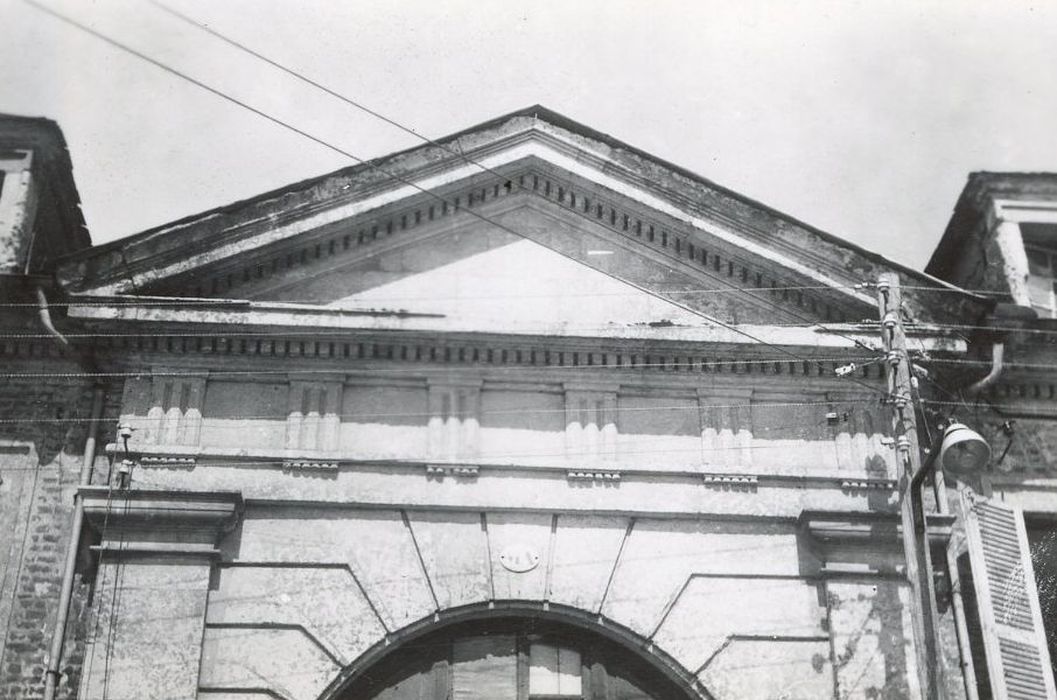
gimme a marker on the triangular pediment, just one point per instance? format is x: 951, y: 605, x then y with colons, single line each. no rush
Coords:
x: 517, y: 260
x: 528, y: 218
x: 495, y: 281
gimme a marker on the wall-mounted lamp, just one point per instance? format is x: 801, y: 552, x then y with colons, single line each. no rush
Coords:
x: 963, y: 451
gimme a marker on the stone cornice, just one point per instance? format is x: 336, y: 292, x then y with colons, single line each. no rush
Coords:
x: 337, y: 233
x: 159, y: 521
x: 830, y: 529
x: 575, y: 359
x: 275, y: 324
x: 155, y: 459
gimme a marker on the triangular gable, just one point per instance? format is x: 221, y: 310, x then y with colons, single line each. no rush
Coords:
x: 518, y: 283
x: 458, y: 250
x: 677, y: 222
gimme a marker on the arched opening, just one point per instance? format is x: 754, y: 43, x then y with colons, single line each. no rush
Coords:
x: 513, y: 655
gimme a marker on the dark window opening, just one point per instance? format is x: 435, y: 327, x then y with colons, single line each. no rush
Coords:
x: 1042, y: 541
x: 512, y: 659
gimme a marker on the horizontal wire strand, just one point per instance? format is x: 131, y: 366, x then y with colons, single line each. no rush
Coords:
x: 394, y: 176
x: 510, y: 411
x: 682, y: 368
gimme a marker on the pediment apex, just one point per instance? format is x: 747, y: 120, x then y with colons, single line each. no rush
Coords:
x: 531, y: 140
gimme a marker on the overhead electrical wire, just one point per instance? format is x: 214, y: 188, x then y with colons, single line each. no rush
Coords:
x: 206, y: 301
x: 730, y: 289
x: 345, y: 153
x: 548, y: 329
x: 202, y: 26
x: 682, y: 368
x: 90, y: 661
x: 482, y: 459
x: 353, y: 312
x: 454, y: 152
x: 395, y: 176
x: 493, y: 412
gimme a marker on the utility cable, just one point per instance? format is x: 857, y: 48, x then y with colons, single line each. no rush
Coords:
x: 323, y: 332
x: 135, y: 301
x: 694, y: 407
x: 682, y: 368
x: 645, y: 445
x: 395, y: 176
x: 347, y: 100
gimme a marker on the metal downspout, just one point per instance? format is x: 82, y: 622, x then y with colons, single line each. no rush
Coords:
x: 961, y: 628
x: 997, y: 353
x: 52, y: 673
x: 45, y: 319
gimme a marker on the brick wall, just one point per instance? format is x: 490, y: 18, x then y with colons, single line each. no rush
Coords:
x: 40, y: 461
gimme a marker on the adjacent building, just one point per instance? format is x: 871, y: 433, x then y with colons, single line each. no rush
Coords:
x: 521, y: 413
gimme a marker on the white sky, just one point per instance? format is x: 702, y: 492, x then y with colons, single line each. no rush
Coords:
x: 863, y: 119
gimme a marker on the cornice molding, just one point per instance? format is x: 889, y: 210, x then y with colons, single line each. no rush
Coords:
x: 830, y: 529
x: 330, y: 359
x: 575, y: 472
x: 186, y: 523
x: 654, y: 227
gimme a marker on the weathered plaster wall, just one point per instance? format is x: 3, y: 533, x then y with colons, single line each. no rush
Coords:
x: 521, y: 418
x: 271, y: 622
x: 144, y: 642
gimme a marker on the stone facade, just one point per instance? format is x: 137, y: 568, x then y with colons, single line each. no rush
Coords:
x: 558, y: 399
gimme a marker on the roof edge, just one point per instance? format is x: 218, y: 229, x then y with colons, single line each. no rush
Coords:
x: 555, y: 119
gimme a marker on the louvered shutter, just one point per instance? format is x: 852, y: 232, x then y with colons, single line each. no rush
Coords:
x: 1018, y: 661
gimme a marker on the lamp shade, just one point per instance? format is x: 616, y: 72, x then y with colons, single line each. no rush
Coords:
x: 963, y: 451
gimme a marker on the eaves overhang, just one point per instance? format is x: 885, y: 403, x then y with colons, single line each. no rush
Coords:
x: 532, y: 132
x: 534, y: 142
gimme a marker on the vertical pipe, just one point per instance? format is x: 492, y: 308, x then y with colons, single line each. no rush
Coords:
x: 957, y: 603
x: 51, y: 675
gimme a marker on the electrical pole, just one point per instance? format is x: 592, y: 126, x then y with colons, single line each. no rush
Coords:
x: 915, y: 541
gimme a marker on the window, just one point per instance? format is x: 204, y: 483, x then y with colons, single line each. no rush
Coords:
x: 1040, y: 244
x: 523, y: 658
x: 486, y: 668
x: 1042, y: 541
x: 554, y: 672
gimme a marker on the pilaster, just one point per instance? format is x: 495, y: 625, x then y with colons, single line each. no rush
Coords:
x: 726, y: 426
x: 454, y: 423
x: 156, y: 550
x: 591, y: 422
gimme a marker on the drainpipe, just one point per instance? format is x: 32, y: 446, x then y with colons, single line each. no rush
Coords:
x: 1003, y: 320
x: 997, y: 352
x: 52, y: 673
x: 961, y: 627
x: 45, y: 319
